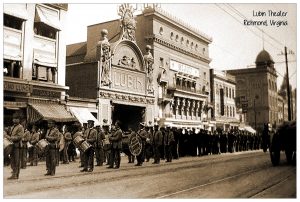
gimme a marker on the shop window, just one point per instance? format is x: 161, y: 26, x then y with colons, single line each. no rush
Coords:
x: 43, y: 73
x: 13, y: 22
x: 12, y: 68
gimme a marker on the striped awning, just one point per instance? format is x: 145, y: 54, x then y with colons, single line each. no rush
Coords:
x: 44, y: 111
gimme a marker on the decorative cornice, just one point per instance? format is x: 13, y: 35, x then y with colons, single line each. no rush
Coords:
x: 126, y: 97
x: 158, y: 10
x: 171, y: 45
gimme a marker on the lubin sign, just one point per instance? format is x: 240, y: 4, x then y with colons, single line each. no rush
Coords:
x: 128, y: 81
x: 179, y: 67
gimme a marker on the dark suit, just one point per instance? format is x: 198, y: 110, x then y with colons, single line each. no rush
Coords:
x: 157, y: 144
x: 17, y: 133
x: 116, y: 139
x: 168, y: 142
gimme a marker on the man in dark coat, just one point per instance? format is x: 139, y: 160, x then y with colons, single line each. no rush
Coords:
x: 168, y: 142
x: 52, y: 136
x: 157, y: 144
x: 90, y: 135
x: 17, y: 133
x: 99, y: 152
x: 116, y: 140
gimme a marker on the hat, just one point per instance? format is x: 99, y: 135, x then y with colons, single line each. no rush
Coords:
x: 105, y: 123
x: 142, y: 124
x: 90, y: 121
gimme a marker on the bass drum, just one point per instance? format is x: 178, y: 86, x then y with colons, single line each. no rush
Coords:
x: 7, y: 146
x: 135, y: 145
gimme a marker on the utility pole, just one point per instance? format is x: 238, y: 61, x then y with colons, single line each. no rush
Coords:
x: 288, y: 85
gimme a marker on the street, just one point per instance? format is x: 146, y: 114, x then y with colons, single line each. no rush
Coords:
x: 237, y: 175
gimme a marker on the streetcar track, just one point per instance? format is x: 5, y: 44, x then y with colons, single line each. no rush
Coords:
x: 283, y: 179
x: 111, y: 178
x: 229, y: 178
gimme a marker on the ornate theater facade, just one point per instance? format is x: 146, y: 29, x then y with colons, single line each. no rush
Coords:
x: 145, y: 68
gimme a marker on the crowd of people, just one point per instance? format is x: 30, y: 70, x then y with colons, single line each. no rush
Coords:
x: 58, y: 143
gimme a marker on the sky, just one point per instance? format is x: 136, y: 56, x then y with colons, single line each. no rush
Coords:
x: 235, y: 45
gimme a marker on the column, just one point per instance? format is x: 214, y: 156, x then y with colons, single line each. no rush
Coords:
x: 183, y: 102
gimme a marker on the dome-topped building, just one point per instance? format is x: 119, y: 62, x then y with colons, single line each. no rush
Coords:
x: 258, y: 86
x: 263, y: 59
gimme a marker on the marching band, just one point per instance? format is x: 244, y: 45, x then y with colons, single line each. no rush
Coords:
x: 157, y: 142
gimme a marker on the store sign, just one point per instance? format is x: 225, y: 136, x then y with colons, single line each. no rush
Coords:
x: 126, y: 80
x: 17, y: 87
x: 179, y: 67
x: 46, y: 93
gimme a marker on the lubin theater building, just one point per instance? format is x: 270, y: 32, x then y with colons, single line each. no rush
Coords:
x: 150, y: 67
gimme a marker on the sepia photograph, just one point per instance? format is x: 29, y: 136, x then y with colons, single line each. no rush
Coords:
x: 149, y: 100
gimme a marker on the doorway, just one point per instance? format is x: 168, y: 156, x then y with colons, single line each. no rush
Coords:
x: 129, y: 116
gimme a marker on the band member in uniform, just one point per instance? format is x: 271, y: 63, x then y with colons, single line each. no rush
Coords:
x: 17, y: 133
x: 77, y: 131
x: 34, y: 138
x: 52, y: 136
x: 169, y: 141
x: 143, y: 135
x: 99, y: 146
x: 116, y: 140
x: 90, y: 134
x: 157, y: 144
x: 24, y: 147
x: 68, y: 139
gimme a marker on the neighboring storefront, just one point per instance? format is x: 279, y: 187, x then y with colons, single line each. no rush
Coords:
x: 33, y: 71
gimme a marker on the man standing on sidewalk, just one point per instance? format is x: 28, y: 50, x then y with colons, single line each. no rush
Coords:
x: 17, y: 133
x: 52, y: 137
x: 169, y: 141
x: 157, y: 144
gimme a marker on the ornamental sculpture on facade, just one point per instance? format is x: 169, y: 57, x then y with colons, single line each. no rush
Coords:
x: 104, y: 53
x: 148, y: 58
x: 128, y: 23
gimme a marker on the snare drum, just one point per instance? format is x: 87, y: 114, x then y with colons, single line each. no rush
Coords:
x: 78, y: 140
x: 42, y: 144
x: 7, y: 146
x: 84, y: 146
